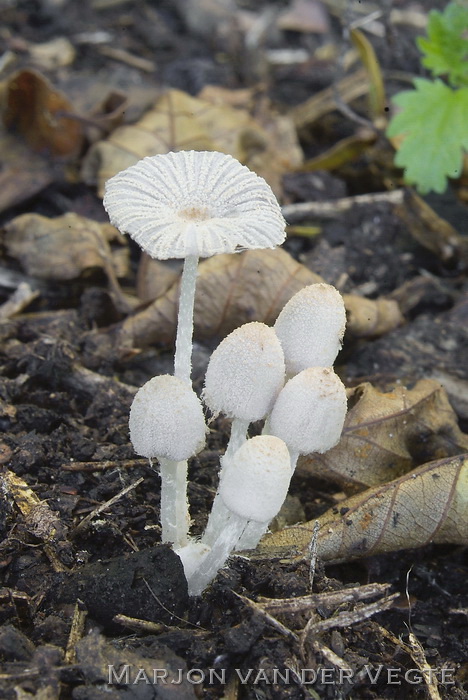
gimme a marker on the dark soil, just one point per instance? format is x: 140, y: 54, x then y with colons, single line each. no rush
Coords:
x: 64, y: 422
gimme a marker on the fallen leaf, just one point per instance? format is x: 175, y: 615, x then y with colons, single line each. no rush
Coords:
x: 231, y: 290
x: 57, y: 249
x: 371, y: 317
x: 66, y: 248
x: 237, y: 289
x: 386, y: 434
x: 41, y: 115
x: 430, y: 504
x: 181, y: 122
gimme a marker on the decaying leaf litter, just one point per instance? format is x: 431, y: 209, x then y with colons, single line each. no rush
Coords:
x: 85, y: 321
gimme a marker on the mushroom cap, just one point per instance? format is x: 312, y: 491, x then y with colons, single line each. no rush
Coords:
x: 194, y: 203
x: 245, y: 373
x: 310, y: 410
x: 311, y: 327
x: 166, y: 419
x: 256, y: 479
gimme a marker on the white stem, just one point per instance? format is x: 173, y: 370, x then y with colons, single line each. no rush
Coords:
x: 216, y: 558
x: 252, y: 535
x: 254, y: 532
x: 183, y: 344
x: 219, y: 513
x: 175, y: 519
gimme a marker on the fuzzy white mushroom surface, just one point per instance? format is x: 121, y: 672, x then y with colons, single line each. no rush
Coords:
x: 245, y: 373
x: 253, y: 488
x: 166, y: 420
x: 309, y: 412
x: 256, y: 481
x: 194, y: 203
x: 311, y: 327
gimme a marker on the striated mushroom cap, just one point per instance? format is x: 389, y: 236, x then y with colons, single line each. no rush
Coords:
x: 310, y: 410
x: 311, y: 327
x: 166, y: 420
x: 245, y: 373
x: 257, y: 478
x: 194, y: 203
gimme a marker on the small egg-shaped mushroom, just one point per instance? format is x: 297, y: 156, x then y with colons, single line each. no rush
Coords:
x: 253, y: 488
x: 245, y: 373
x: 166, y: 419
x: 311, y: 327
x: 167, y: 423
x: 243, y: 379
x: 309, y: 412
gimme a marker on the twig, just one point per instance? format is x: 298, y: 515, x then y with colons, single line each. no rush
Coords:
x: 294, y: 213
x: 104, y: 506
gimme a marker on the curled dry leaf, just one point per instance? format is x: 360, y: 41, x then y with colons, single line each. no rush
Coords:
x: 232, y: 290
x: 181, y: 122
x: 66, y: 248
x: 386, y: 434
x: 41, y: 115
x: 369, y: 318
x: 61, y: 248
x: 430, y: 504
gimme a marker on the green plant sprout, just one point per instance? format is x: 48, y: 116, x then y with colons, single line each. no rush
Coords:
x: 433, y: 120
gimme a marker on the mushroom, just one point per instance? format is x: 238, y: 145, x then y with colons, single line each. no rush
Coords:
x: 167, y: 423
x: 308, y: 416
x: 309, y: 412
x: 253, y: 489
x: 311, y: 327
x: 193, y: 204
x: 244, y: 376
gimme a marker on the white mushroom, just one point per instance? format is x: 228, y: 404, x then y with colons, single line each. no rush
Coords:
x: 309, y: 412
x: 193, y: 204
x: 311, y: 327
x: 167, y: 423
x: 243, y: 379
x: 253, y: 488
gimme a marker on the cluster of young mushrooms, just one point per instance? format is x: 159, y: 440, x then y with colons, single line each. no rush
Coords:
x: 193, y: 204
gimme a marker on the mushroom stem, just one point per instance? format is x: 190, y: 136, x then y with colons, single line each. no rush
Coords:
x: 215, y: 559
x: 183, y: 344
x: 175, y: 519
x: 238, y: 436
x: 219, y: 513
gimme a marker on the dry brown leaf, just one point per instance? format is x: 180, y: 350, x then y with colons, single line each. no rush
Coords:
x: 181, y: 122
x: 387, y: 434
x: 369, y: 318
x: 57, y: 249
x: 231, y: 290
x: 236, y: 289
x: 41, y: 115
x: 430, y: 504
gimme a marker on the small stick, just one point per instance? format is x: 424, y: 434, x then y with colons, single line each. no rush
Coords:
x: 104, y: 506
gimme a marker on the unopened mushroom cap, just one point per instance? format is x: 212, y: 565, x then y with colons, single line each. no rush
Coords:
x: 311, y: 327
x: 245, y: 373
x: 194, y: 203
x: 166, y: 420
x: 310, y: 410
x: 256, y: 479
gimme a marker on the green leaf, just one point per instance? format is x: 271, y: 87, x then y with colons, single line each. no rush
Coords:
x: 446, y: 48
x: 435, y: 129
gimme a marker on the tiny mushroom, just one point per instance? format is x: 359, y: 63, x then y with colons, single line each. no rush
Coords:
x: 309, y: 412
x: 311, y: 327
x: 253, y: 488
x: 167, y: 423
x: 244, y: 376
x: 192, y: 204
